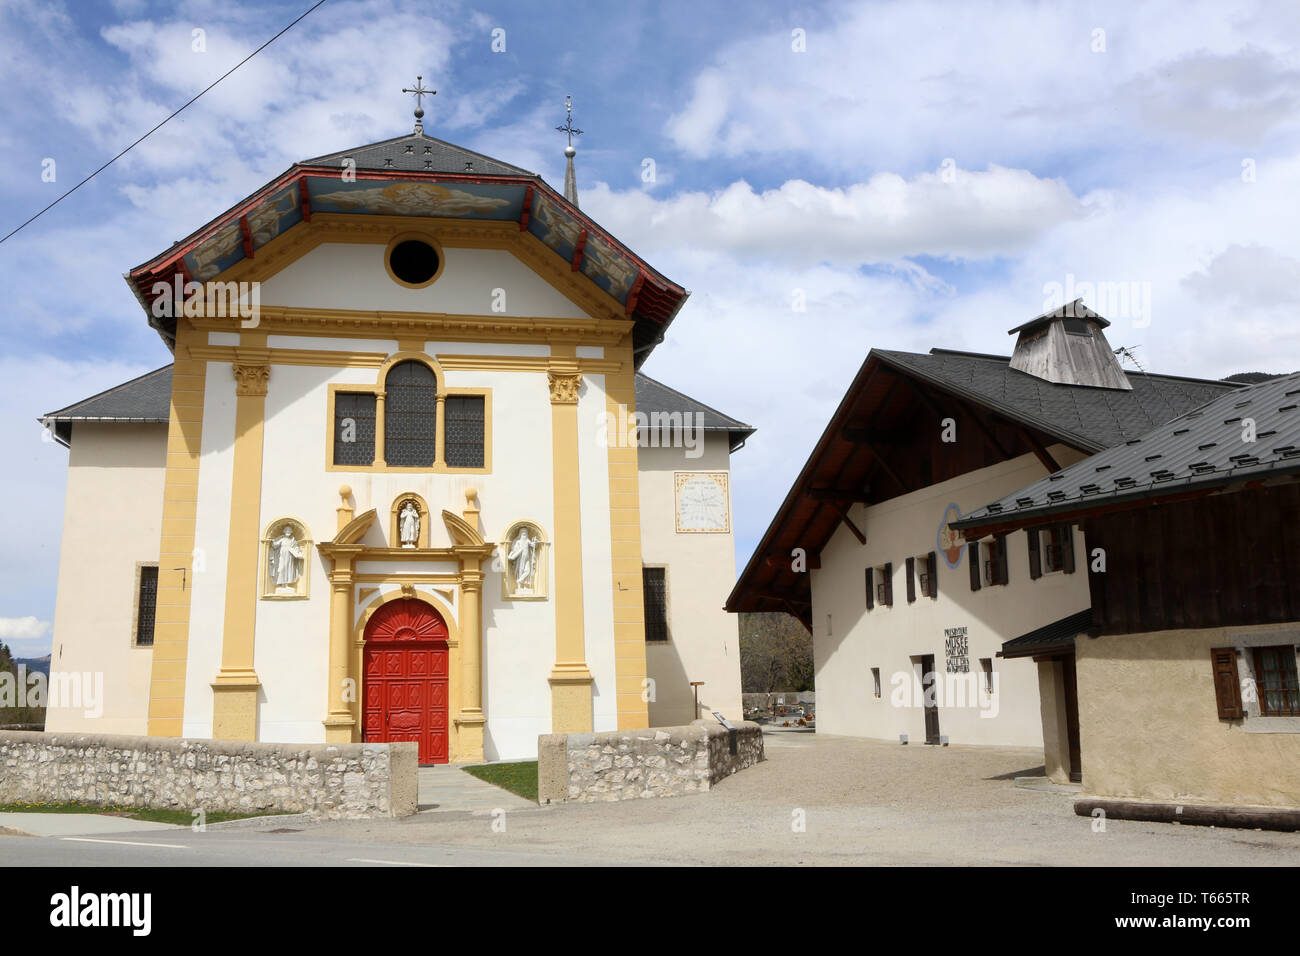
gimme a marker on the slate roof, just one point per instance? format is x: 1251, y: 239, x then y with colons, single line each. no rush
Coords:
x: 1200, y: 449
x: 417, y: 152
x: 1088, y: 418
x: 653, y: 396
x: 1057, y: 636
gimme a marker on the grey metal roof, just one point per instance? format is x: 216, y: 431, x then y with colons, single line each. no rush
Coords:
x: 417, y: 152
x: 1071, y: 310
x: 1088, y: 418
x: 144, y: 399
x: 653, y: 396
x: 1203, y: 448
x: 1059, y: 635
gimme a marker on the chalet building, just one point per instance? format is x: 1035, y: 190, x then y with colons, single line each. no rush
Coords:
x: 1179, y: 684
x: 907, y: 616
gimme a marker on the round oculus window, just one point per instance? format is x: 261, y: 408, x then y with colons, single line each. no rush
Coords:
x: 413, y: 261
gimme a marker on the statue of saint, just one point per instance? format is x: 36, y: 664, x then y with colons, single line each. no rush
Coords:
x: 523, y: 560
x: 408, y: 525
x: 285, y: 562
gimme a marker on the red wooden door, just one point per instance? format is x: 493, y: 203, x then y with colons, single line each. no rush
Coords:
x: 406, y: 678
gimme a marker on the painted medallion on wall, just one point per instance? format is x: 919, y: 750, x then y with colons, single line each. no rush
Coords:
x: 702, y: 505
x: 950, y: 543
x: 286, y: 560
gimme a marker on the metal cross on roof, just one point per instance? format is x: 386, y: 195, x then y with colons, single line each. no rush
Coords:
x: 568, y: 127
x: 420, y: 94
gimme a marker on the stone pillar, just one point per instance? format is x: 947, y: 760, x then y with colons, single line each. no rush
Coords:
x: 440, y: 427
x: 380, y: 398
x: 340, y: 726
x: 570, y: 679
x: 471, y: 719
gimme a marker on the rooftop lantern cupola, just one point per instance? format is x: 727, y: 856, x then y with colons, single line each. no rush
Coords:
x: 1067, y: 346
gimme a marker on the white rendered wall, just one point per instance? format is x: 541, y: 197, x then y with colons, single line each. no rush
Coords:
x: 704, y: 641
x: 849, y: 640
x: 112, y: 520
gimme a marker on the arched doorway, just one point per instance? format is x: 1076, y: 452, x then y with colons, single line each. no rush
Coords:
x: 405, y: 668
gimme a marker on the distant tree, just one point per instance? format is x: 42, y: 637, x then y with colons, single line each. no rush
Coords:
x: 775, y: 654
x: 15, y: 715
x: 1252, y: 378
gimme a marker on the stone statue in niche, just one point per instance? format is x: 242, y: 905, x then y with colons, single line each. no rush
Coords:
x: 408, y: 525
x: 523, y: 560
x: 286, y: 558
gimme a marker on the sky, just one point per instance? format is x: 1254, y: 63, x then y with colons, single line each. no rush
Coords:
x: 824, y: 178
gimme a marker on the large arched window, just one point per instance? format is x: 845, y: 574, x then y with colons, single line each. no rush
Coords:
x: 410, y: 415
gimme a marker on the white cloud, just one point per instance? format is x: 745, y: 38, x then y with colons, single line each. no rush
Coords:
x: 23, y: 628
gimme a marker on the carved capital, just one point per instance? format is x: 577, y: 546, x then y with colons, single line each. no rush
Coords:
x: 564, y: 387
x: 251, y: 379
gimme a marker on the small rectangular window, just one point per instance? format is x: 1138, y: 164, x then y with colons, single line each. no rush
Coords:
x: 995, y: 561
x: 464, y: 435
x: 875, y: 678
x: 655, y: 586
x: 884, y: 575
x: 986, y: 665
x: 146, y: 606
x: 354, y: 428
x: 1276, y: 682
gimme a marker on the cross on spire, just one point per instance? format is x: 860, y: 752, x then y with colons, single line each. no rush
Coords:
x: 568, y: 127
x: 420, y: 94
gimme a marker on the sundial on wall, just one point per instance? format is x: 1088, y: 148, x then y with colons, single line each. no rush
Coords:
x: 702, y: 502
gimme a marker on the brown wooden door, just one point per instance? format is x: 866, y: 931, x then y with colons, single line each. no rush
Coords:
x: 931, y: 703
x: 1072, y: 717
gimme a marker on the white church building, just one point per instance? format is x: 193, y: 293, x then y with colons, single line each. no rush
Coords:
x: 403, y: 480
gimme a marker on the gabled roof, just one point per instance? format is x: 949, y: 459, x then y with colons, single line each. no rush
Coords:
x: 1054, y: 638
x: 1088, y: 418
x: 143, y: 399
x: 653, y: 396
x: 1198, y: 451
x: 418, y: 152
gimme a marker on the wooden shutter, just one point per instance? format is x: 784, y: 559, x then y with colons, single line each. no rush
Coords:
x: 932, y: 566
x: 888, y: 572
x: 973, y: 554
x: 1067, y: 548
x: 1000, y: 559
x: 911, y: 580
x: 1227, y: 683
x: 871, y: 588
x: 1035, y: 560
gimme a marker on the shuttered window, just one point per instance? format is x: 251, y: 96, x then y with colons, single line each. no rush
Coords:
x: 655, y: 586
x: 410, y: 415
x: 871, y: 588
x: 930, y: 581
x: 1275, y: 681
x: 146, y: 607
x: 463, y: 436
x: 354, y: 428
x: 995, y: 561
x: 885, y: 589
x: 973, y: 558
x: 1227, y: 685
x: 911, y: 580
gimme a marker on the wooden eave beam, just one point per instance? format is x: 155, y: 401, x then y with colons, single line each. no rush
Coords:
x: 578, y: 251
x: 528, y: 206
x: 304, y: 199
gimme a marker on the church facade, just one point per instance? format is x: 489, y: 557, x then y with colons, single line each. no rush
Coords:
x: 403, y: 480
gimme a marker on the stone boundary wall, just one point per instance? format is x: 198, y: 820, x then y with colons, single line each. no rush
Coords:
x: 637, y: 764
x: 337, y: 781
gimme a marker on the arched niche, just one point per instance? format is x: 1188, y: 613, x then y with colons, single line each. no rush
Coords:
x: 514, y: 555
x: 284, y: 557
x: 395, y: 520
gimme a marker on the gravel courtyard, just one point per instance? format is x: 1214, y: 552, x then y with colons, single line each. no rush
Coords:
x: 861, y: 801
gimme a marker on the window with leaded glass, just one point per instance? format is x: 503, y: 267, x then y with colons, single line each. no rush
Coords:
x: 655, y: 586
x: 410, y: 415
x: 354, y: 428
x: 146, y: 605
x: 464, y: 431
x: 1276, y: 681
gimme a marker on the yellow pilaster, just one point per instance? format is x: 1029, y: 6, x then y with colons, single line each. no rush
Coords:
x: 380, y: 399
x: 570, y: 679
x: 235, y: 688
x: 471, y: 719
x: 342, y: 691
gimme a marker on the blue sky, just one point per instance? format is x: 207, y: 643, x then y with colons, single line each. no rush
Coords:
x: 918, y: 173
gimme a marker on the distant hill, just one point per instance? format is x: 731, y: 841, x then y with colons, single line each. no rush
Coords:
x: 41, y: 664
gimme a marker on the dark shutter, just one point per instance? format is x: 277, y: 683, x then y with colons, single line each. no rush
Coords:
x: 871, y: 588
x: 932, y: 565
x: 146, y: 606
x: 1227, y: 685
x: 911, y: 580
x: 1067, y: 548
x: 354, y: 428
x: 1035, y: 560
x: 655, y: 587
x: 410, y: 415
x: 1000, y: 559
x: 973, y: 556
x: 463, y: 435
x: 888, y: 572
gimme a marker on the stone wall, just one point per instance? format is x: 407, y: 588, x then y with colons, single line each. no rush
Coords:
x: 635, y: 764
x: 177, y: 773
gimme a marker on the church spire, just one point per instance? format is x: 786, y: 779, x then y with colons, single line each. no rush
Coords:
x: 570, y: 177
x: 420, y: 94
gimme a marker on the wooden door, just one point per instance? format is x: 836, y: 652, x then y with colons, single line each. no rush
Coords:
x: 406, y: 678
x: 931, y: 704
x: 1072, y: 717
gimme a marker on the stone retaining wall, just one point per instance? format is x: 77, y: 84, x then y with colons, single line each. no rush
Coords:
x: 178, y: 773
x: 635, y: 764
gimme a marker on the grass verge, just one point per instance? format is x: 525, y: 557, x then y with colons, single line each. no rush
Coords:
x: 151, y: 815
x: 519, y: 778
